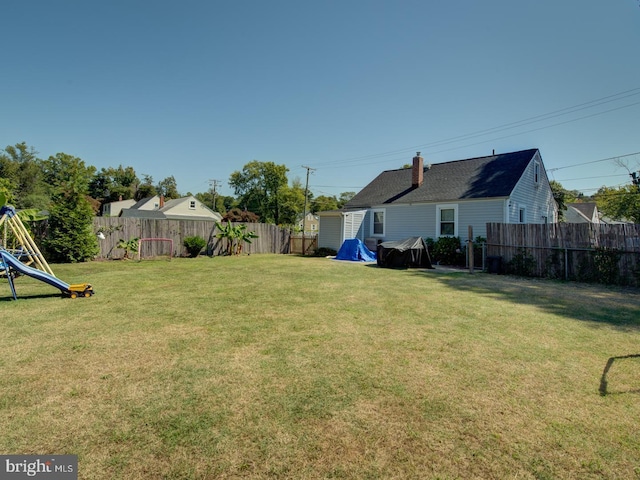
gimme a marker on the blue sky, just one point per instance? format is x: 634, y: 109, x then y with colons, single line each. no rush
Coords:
x: 197, y: 89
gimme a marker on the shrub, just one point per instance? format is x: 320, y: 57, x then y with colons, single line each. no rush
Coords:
x: 325, y: 252
x: 522, y: 264
x: 447, y: 251
x: 606, y: 262
x: 194, y: 245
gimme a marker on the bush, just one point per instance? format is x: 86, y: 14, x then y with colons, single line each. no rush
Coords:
x: 194, y: 245
x: 606, y: 262
x: 447, y: 251
x: 522, y: 264
x: 325, y: 252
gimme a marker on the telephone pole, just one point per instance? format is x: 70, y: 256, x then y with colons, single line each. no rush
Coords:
x: 304, y: 211
x: 214, y: 185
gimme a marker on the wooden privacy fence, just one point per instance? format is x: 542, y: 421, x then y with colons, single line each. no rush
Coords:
x: 304, y: 245
x: 271, y: 238
x: 571, y: 251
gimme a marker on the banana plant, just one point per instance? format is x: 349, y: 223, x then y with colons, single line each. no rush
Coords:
x: 235, y: 236
x: 128, y: 246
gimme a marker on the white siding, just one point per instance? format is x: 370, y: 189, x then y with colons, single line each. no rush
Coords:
x: 330, y: 234
x: 535, y: 198
x: 419, y: 220
x: 183, y: 208
x: 477, y: 214
x: 404, y: 221
x: 353, y: 225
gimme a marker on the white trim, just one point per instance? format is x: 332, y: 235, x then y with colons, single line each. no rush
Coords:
x: 537, y: 172
x: 522, y: 214
x: 384, y: 221
x: 447, y: 206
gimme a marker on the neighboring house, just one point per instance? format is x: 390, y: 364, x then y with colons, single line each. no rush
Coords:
x: 310, y: 224
x: 444, y: 199
x: 185, y: 208
x: 113, y: 209
x: 581, y: 213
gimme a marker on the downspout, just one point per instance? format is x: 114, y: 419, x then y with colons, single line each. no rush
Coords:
x: 506, y: 210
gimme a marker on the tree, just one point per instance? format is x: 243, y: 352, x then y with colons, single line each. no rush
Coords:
x: 323, y: 203
x: 146, y: 188
x: 259, y: 188
x: 223, y: 203
x: 71, y: 237
x: 344, y: 198
x: 560, y: 196
x: 22, y: 169
x: 237, y: 215
x: 113, y: 184
x: 168, y: 188
x: 291, y: 202
x: 622, y: 203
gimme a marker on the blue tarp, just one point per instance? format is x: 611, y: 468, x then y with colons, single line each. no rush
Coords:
x: 356, y: 251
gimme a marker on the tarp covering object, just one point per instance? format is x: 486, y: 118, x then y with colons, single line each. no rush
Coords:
x: 355, y: 251
x: 410, y: 252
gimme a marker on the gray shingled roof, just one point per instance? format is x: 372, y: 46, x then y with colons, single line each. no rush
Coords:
x: 587, y: 209
x: 482, y: 177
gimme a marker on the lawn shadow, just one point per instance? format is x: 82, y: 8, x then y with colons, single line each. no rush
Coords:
x: 600, y: 304
x: 603, y: 378
x: 9, y: 298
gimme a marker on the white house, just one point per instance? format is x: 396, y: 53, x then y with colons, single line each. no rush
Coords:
x: 185, y: 208
x: 444, y: 199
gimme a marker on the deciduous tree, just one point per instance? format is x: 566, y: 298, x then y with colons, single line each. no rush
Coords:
x: 71, y: 237
x: 622, y: 203
x: 259, y: 188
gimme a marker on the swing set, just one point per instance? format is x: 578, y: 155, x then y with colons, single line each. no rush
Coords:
x: 25, y: 258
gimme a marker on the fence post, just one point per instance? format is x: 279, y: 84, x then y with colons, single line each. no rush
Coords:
x: 470, y: 249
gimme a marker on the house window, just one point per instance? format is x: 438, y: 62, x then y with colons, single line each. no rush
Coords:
x: 378, y: 223
x: 447, y: 220
x: 192, y: 204
x: 536, y: 173
x: 522, y: 215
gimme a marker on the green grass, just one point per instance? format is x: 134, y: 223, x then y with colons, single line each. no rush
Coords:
x: 270, y: 366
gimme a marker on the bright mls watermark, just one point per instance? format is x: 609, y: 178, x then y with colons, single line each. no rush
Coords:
x: 49, y: 467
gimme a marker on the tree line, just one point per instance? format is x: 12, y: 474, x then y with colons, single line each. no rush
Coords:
x: 261, y: 188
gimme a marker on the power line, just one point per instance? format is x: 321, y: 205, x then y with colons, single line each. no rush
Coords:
x: 594, y: 161
x: 589, y: 178
x: 537, y: 118
x: 538, y: 129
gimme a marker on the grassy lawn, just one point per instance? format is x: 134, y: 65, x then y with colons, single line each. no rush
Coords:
x: 270, y: 366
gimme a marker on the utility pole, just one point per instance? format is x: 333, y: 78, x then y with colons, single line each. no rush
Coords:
x: 214, y: 185
x: 635, y: 178
x: 304, y: 212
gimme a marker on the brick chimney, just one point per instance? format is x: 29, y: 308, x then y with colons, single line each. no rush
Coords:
x: 417, y: 172
x: 161, y: 201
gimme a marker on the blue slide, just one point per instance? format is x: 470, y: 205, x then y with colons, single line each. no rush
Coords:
x: 18, y: 266
x: 9, y: 262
